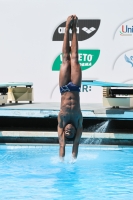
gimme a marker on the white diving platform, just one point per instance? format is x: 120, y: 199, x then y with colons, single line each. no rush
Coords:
x: 114, y: 94
x: 16, y: 91
x: 105, y: 84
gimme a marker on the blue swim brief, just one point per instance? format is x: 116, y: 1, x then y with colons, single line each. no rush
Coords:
x: 70, y: 87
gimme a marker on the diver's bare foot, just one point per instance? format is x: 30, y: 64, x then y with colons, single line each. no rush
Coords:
x: 69, y: 22
x: 75, y: 21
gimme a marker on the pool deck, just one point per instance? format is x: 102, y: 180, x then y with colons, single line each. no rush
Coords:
x: 47, y: 137
x: 51, y: 109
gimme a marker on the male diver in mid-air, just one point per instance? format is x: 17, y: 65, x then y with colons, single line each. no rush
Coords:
x: 70, y: 116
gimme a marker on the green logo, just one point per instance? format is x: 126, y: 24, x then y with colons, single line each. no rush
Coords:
x: 86, y: 57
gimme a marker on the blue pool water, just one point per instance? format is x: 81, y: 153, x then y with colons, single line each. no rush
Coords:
x: 35, y: 172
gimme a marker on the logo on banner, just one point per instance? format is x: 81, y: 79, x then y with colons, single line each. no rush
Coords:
x: 126, y: 30
x: 123, y: 66
x: 86, y: 28
x: 86, y: 57
x: 129, y: 60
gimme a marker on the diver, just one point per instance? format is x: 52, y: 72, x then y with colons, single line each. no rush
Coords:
x: 70, y: 116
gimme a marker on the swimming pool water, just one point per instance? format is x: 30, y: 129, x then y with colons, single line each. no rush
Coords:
x: 36, y: 173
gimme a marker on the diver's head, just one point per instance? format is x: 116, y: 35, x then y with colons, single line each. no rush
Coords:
x: 69, y: 131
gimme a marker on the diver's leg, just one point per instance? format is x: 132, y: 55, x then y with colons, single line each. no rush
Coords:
x: 65, y: 70
x: 76, y: 74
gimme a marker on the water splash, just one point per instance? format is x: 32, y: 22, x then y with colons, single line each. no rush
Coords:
x: 92, y: 141
x: 103, y: 127
x: 98, y: 128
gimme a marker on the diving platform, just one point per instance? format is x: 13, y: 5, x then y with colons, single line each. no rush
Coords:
x: 117, y: 102
x: 16, y: 91
x: 104, y: 84
x: 114, y: 94
x: 51, y: 110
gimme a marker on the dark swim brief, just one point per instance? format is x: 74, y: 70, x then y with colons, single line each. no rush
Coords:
x: 70, y: 87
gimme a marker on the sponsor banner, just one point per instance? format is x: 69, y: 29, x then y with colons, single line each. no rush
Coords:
x: 86, y: 28
x: 86, y: 57
x: 125, y: 30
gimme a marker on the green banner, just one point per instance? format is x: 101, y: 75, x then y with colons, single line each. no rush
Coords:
x: 86, y: 57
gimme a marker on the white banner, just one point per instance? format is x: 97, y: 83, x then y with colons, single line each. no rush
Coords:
x: 31, y: 37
